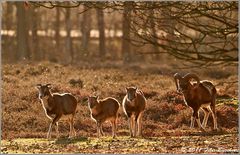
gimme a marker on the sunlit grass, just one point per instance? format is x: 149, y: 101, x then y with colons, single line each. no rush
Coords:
x: 121, y: 144
x: 165, y: 114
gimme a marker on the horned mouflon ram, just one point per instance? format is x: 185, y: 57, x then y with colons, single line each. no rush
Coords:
x: 198, y: 95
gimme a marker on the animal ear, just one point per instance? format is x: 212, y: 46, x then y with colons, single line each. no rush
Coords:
x: 126, y: 89
x: 49, y: 86
x: 38, y: 86
x: 97, y: 97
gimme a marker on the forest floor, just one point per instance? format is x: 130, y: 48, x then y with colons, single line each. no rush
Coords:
x: 166, y: 119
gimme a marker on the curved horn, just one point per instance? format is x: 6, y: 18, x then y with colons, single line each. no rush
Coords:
x: 192, y: 76
x: 177, y: 77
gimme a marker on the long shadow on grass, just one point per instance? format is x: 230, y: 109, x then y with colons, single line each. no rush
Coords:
x: 213, y: 133
x: 71, y: 140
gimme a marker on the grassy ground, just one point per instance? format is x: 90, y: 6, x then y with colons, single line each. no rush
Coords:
x: 198, y: 143
x: 166, y: 118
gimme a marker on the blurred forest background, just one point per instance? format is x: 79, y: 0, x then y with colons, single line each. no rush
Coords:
x: 199, y: 33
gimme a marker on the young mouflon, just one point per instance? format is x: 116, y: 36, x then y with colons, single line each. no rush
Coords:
x: 104, y: 110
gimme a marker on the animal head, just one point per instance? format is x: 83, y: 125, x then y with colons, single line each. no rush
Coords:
x: 131, y: 93
x: 92, y: 101
x: 183, y: 83
x: 43, y: 90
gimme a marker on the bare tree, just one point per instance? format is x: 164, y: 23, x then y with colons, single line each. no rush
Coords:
x: 69, y: 48
x: 57, y: 31
x: 126, y: 46
x: 101, y: 29
x: 85, y: 29
x: 201, y: 33
x: 154, y: 32
x: 22, y: 32
x: 34, y: 28
x: 8, y: 24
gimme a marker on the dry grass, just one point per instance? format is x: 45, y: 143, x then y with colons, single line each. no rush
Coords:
x: 23, y: 116
x: 124, y: 145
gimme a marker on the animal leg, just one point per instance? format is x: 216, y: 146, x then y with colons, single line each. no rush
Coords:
x: 72, y: 131
x: 192, y: 121
x: 206, y: 116
x: 113, y: 128
x: 134, y: 122
x: 50, y: 126
x: 56, y: 128
x: 198, y: 121
x: 139, y: 122
x: 98, y: 129
x: 214, y: 119
x: 130, y: 126
x: 101, y: 130
x: 214, y: 113
x: 49, y: 131
x: 116, y: 121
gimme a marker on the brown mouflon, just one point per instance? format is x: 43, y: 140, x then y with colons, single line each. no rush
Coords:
x: 57, y: 105
x: 199, y: 95
x: 134, y: 104
x: 104, y: 110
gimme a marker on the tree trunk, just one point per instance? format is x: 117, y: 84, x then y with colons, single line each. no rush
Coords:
x: 9, y: 17
x: 101, y: 29
x: 7, y: 24
x: 57, y: 32
x: 126, y: 47
x: 22, y: 33
x: 85, y: 29
x: 35, y: 40
x: 154, y: 33
x: 69, y: 48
